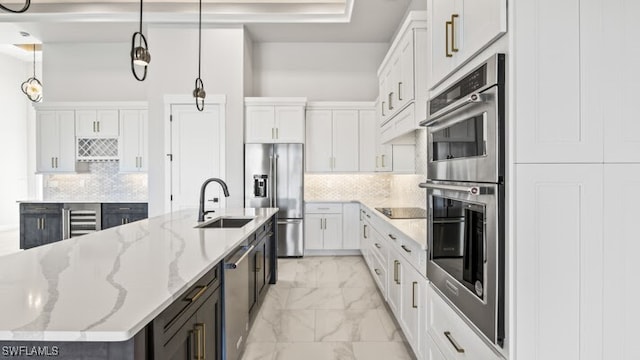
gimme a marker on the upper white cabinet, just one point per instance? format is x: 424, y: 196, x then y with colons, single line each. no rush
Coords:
x: 55, y: 141
x: 402, y: 77
x: 367, y: 134
x: 97, y: 123
x: 460, y: 29
x: 133, y: 141
x: 333, y: 137
x: 559, y: 77
x: 274, y: 120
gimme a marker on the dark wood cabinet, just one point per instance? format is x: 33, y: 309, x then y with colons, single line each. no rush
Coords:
x: 261, y: 266
x: 115, y: 214
x: 192, y: 325
x: 40, y: 224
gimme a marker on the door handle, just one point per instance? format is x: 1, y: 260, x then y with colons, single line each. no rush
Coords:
x: 453, y: 33
x: 446, y: 40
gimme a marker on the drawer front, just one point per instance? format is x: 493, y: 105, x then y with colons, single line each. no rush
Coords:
x: 379, y: 272
x: 181, y: 309
x: 452, y: 334
x: 379, y: 245
x: 125, y: 208
x: 37, y: 208
x: 414, y: 254
x: 323, y: 208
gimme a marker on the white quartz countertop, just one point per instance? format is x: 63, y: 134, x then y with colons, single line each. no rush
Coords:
x: 415, y: 229
x: 108, y: 285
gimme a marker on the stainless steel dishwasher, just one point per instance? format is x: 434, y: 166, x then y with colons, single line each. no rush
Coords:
x: 236, y: 301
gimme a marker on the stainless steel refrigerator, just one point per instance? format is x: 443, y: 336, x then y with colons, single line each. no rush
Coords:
x: 274, y: 177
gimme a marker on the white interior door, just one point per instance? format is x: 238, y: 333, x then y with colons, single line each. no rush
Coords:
x: 197, y: 149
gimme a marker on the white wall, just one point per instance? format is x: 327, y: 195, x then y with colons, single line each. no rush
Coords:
x: 319, y: 71
x: 15, y: 113
x: 91, y: 72
x: 248, y: 65
x: 175, y: 68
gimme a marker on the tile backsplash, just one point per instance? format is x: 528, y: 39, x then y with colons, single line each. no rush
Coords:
x: 103, y: 182
x: 345, y: 187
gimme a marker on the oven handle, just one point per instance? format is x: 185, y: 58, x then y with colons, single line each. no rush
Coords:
x: 474, y: 98
x: 473, y: 190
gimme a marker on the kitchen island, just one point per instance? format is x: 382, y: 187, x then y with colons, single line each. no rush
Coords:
x: 98, y: 295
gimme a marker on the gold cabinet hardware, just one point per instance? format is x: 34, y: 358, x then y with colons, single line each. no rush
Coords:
x: 453, y: 342
x: 391, y: 100
x: 400, y: 91
x: 383, y: 161
x: 453, y: 33
x: 200, y: 341
x: 413, y: 295
x: 395, y: 271
x: 195, y: 297
x: 383, y: 114
x: 259, y: 260
x: 446, y: 40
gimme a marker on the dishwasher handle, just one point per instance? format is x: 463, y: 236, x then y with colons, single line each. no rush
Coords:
x: 239, y: 256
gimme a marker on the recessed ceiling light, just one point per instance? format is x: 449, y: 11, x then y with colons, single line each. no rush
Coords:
x: 24, y: 33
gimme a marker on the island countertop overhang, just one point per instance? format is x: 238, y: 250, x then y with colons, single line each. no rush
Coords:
x: 109, y: 285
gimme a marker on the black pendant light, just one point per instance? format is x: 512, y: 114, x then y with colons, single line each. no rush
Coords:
x: 33, y: 87
x: 139, y: 54
x: 199, y: 92
x: 23, y: 9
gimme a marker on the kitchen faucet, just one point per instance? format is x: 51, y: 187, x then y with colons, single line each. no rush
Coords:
x: 225, y: 189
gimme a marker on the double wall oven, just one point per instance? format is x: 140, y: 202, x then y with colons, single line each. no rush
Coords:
x: 465, y: 195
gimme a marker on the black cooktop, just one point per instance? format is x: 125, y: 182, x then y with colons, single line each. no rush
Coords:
x: 404, y: 212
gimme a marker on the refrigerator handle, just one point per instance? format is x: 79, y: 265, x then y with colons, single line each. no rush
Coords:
x: 275, y: 180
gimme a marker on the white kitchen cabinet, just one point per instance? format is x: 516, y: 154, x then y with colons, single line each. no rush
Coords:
x: 432, y: 352
x: 564, y: 123
x: 367, y: 134
x: 404, y: 159
x: 133, y: 141
x: 620, y: 296
x: 323, y: 227
x: 460, y: 29
x: 55, y: 142
x: 559, y: 260
x: 396, y: 266
x: 97, y: 124
x: 453, y: 337
x: 402, y: 79
x: 351, y: 226
x: 274, y: 120
x: 413, y: 306
x: 333, y: 131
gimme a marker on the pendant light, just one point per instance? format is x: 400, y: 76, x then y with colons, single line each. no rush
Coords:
x: 199, y: 92
x: 139, y: 54
x: 33, y: 87
x: 24, y: 8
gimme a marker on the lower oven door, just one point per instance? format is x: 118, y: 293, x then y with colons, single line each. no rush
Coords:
x: 466, y: 250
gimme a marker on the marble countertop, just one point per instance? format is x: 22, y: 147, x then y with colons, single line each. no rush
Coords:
x: 108, y: 285
x: 415, y: 229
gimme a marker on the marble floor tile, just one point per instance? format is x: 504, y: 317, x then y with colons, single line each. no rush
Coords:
x: 259, y: 351
x: 283, y: 326
x: 314, y: 351
x: 391, y: 329
x: 276, y: 298
x: 315, y: 298
x: 343, y: 275
x: 349, y: 325
x: 361, y: 298
x: 381, y: 350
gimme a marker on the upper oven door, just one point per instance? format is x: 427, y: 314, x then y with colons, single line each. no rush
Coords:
x: 464, y: 144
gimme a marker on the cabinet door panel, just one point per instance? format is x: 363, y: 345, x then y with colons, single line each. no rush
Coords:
x: 621, y: 312
x: 260, y: 122
x: 412, y: 308
x: 441, y: 64
x: 86, y: 122
x: 313, y: 231
x: 367, y: 134
x: 107, y: 123
x: 52, y: 228
x: 130, y: 140
x: 559, y: 231
x: 289, y: 122
x: 405, y: 84
x: 395, y: 267
x: 351, y: 226
x: 67, y: 141
x: 210, y: 316
x: 333, y: 231
x: 30, y: 233
x: 482, y: 21
x: 47, y: 140
x: 345, y: 140
x: 182, y: 345
x: 318, y: 145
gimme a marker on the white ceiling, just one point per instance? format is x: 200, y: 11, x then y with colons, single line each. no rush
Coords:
x: 96, y: 21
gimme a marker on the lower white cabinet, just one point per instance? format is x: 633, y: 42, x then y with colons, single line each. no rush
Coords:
x: 413, y: 306
x: 431, y: 350
x: 323, y: 231
x: 350, y: 226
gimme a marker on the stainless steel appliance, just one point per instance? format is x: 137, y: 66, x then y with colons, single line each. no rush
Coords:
x: 465, y: 196
x: 465, y: 127
x: 236, y: 301
x: 274, y: 177
x: 404, y: 212
x: 80, y: 219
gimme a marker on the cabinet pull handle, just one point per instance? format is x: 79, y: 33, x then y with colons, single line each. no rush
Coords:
x: 400, y: 91
x: 38, y: 223
x: 369, y: 216
x: 94, y: 126
x: 56, y: 162
x: 453, y: 33
x: 140, y: 162
x: 391, y: 100
x: 405, y: 248
x: 121, y: 221
x: 413, y: 295
x: 392, y: 237
x: 395, y: 271
x: 98, y: 122
x: 383, y: 161
x: 195, y: 297
x: 377, y: 271
x: 199, y: 329
x: 446, y: 40
x: 124, y: 208
x: 453, y: 342
x: 44, y: 224
x: 273, y: 133
x: 52, y: 165
x: 377, y: 162
x: 377, y: 245
x: 364, y: 231
x: 383, y: 114
x: 277, y: 133
x: 258, y: 261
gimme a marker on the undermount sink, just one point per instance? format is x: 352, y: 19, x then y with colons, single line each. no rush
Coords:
x: 225, y: 222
